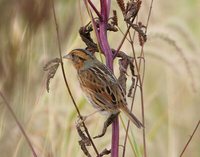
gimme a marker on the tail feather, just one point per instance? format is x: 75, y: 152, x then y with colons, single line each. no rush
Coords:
x: 132, y: 117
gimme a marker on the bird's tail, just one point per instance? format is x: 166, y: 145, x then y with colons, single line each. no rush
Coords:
x: 132, y: 117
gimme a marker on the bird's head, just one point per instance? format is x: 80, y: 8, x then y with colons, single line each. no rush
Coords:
x: 79, y: 57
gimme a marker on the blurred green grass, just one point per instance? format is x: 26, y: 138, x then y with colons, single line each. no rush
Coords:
x: 28, y: 41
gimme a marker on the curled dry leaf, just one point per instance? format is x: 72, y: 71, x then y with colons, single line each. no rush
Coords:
x: 132, y: 78
x: 111, y: 27
x: 87, y: 29
x: 84, y: 149
x: 84, y: 142
x: 124, y: 62
x: 86, y: 37
x: 123, y: 65
x: 51, y: 67
x: 81, y: 133
x: 105, y: 152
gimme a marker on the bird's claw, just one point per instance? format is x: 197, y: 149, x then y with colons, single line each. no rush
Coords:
x: 106, y: 124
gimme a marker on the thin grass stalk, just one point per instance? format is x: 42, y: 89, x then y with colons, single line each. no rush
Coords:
x: 121, y: 43
x: 134, y: 92
x: 66, y: 83
x: 123, y: 39
x: 141, y: 82
x: 95, y: 9
x: 123, y: 33
x: 131, y: 41
x: 188, y: 142
x: 128, y: 137
x: 149, y: 15
x: 19, y: 125
x: 128, y: 124
x: 80, y: 12
x: 141, y: 93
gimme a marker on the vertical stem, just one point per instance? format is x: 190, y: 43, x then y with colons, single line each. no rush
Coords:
x: 108, y: 7
x: 105, y: 9
x: 103, y: 35
x: 105, y: 45
x: 105, y: 48
x: 115, y: 138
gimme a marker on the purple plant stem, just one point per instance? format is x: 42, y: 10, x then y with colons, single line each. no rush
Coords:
x: 115, y: 138
x: 103, y: 35
x: 105, y: 46
x: 105, y: 9
x: 108, y: 7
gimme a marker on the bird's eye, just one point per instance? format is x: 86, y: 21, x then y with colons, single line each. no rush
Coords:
x: 75, y: 58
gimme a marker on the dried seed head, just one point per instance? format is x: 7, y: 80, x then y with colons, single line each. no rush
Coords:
x: 142, y: 37
x: 121, y: 5
x: 114, y: 18
x: 132, y: 9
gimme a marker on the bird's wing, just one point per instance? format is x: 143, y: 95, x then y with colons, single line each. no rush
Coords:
x: 103, y: 86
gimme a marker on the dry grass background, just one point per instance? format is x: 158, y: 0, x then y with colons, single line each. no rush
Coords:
x: 172, y: 88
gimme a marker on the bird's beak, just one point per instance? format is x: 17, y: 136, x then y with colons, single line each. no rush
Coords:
x: 68, y: 56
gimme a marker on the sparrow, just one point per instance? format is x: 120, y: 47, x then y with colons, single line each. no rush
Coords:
x: 99, y: 84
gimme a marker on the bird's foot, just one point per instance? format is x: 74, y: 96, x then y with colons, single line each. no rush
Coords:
x: 106, y: 124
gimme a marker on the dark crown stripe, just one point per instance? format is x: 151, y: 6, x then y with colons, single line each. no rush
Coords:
x: 86, y: 52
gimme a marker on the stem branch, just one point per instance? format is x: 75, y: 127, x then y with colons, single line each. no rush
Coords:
x: 95, y: 9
